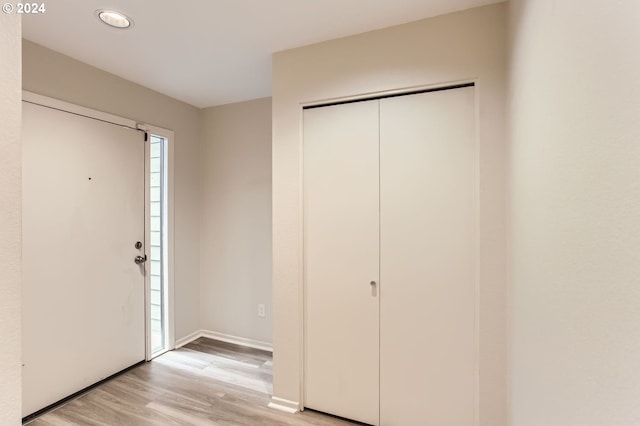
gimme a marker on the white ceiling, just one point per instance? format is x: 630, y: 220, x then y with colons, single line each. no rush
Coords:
x: 212, y: 52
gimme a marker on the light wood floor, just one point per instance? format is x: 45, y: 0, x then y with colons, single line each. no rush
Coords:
x: 204, y: 383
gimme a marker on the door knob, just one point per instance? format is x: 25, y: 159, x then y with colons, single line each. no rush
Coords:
x: 372, y: 283
x: 140, y: 259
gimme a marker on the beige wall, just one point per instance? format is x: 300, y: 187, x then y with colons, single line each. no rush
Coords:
x: 235, y: 228
x: 469, y: 45
x: 10, y: 220
x: 575, y: 209
x: 51, y: 74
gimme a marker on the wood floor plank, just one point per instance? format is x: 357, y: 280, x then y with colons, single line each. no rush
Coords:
x: 205, y: 383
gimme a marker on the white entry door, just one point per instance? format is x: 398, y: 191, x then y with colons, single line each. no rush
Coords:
x: 83, y: 212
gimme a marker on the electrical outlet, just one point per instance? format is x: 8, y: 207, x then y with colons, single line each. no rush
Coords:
x: 261, y: 312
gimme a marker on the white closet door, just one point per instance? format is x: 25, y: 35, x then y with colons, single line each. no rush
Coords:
x: 83, y: 211
x: 428, y: 261
x: 341, y: 258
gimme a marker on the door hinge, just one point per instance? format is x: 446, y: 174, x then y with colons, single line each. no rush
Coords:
x: 146, y: 136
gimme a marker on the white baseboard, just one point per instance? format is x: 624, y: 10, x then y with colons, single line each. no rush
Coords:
x: 250, y: 343
x: 188, y: 338
x: 284, y: 405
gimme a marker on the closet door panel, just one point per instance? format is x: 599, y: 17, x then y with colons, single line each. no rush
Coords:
x: 341, y: 259
x: 428, y: 258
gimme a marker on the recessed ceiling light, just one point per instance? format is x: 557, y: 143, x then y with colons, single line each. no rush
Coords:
x: 114, y: 19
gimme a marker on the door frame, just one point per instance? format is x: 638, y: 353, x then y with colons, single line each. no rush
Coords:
x: 359, y: 97
x: 159, y: 131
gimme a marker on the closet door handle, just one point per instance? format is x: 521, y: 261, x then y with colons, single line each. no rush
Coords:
x: 372, y: 283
